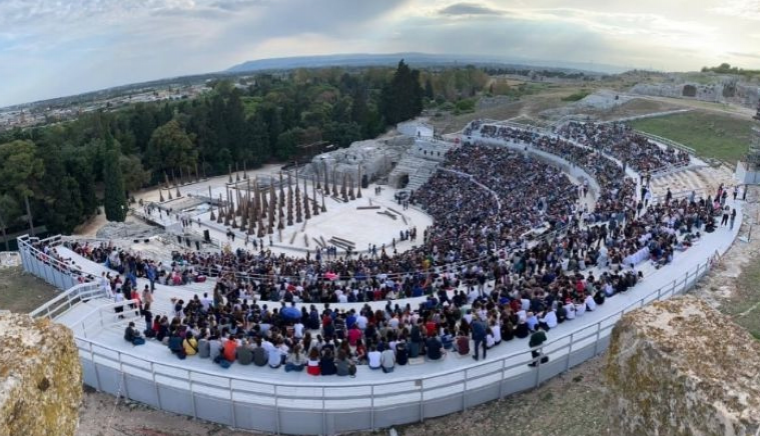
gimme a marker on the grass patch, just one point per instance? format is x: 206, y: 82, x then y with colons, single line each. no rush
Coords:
x: 712, y: 135
x: 580, y: 95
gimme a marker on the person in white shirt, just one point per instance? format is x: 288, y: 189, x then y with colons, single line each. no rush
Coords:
x: 274, y: 355
x: 298, y: 330
x: 590, y: 303
x: 569, y: 310
x: 525, y: 304
x: 206, y: 302
x: 580, y: 308
x: 496, y: 329
x: 549, y: 320
x: 373, y: 358
x: 362, y: 321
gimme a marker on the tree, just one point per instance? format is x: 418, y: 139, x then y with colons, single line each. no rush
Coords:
x: 9, y: 213
x: 401, y: 98
x: 429, y: 89
x: 134, y: 174
x: 171, y: 148
x: 21, y: 168
x: 115, y: 202
x: 257, y: 140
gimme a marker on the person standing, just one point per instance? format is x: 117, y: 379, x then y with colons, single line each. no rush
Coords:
x: 536, y: 340
x: 479, y: 337
x: 732, y: 219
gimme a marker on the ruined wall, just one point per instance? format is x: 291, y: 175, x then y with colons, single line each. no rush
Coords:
x: 40, y: 378
x: 679, y: 367
x: 727, y: 91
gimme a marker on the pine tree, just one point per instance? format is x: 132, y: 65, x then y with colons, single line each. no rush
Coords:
x: 402, y: 96
x: 115, y: 202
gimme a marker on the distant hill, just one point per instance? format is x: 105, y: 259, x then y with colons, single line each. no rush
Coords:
x: 416, y: 59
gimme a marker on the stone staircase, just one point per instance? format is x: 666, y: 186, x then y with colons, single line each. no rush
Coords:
x: 703, y: 180
x: 419, y: 163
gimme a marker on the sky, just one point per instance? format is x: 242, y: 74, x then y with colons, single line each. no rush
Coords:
x: 52, y: 48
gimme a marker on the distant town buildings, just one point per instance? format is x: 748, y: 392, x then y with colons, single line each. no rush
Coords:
x: 36, y: 114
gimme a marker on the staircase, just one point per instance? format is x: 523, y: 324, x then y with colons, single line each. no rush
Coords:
x: 419, y: 163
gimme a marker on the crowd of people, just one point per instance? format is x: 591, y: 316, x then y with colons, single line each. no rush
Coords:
x: 486, y: 279
x: 621, y: 141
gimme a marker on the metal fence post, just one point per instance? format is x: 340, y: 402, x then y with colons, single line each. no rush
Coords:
x: 277, y: 424
x: 192, y: 393
x: 232, y: 405
x: 95, y: 366
x: 155, y: 385
x: 598, y: 332
x: 422, y: 400
x: 123, y: 376
x: 372, y: 408
x: 464, y: 392
x: 324, y: 412
x: 501, y: 379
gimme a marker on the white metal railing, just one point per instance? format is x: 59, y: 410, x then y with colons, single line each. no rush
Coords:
x: 67, y: 299
x: 667, y: 142
x: 89, y: 321
x: 395, y: 391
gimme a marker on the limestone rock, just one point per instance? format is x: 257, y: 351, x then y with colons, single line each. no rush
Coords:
x: 40, y: 378
x: 679, y: 367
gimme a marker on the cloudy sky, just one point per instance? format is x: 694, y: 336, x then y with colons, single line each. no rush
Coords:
x: 50, y: 48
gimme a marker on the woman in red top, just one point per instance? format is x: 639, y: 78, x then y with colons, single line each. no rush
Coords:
x: 229, y: 349
x: 431, y: 328
x: 312, y: 364
x: 361, y: 351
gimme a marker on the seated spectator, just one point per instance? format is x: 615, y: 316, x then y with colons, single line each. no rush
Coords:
x: 402, y: 354
x: 462, y: 344
x: 388, y: 360
x: 549, y: 320
x: 447, y: 340
x: 344, y: 366
x: 374, y: 358
x: 260, y: 355
x: 312, y: 364
x: 275, y: 356
x: 132, y: 335
x: 522, y: 331
x: 204, y: 350
x: 244, y: 353
x: 434, y: 348
x: 361, y: 352
x: 175, y: 345
x: 215, y: 346
x: 295, y: 360
x: 190, y: 345
x: 229, y: 349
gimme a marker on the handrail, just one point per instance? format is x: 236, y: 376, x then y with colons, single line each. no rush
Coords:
x: 666, y: 141
x: 66, y: 295
x: 703, y: 267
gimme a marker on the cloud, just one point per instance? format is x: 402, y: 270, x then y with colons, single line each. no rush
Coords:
x: 469, y: 9
x: 744, y: 55
x: 746, y: 9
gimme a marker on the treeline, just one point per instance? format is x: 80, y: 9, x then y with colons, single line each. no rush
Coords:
x: 726, y: 68
x: 64, y: 170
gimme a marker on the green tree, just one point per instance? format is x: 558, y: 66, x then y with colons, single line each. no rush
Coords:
x: 9, y: 214
x: 134, y: 174
x: 171, y: 148
x: 21, y: 168
x: 429, y: 89
x: 115, y: 201
x: 402, y: 97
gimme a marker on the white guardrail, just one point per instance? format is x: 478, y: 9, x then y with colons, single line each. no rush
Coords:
x: 296, y: 408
